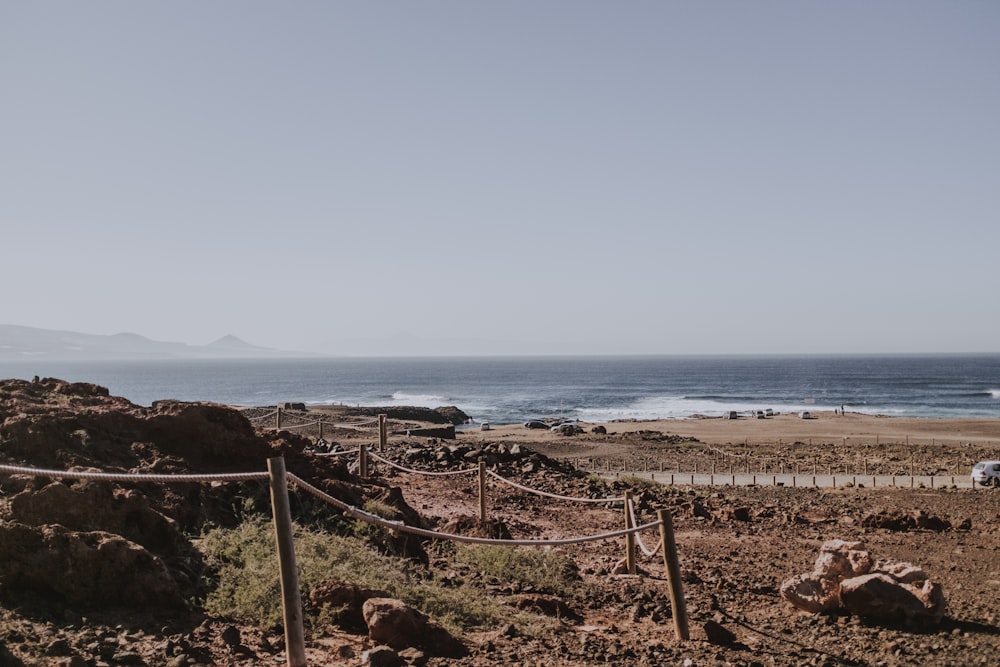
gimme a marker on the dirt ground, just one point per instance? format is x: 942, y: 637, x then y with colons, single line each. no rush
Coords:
x: 731, y: 568
x: 736, y: 545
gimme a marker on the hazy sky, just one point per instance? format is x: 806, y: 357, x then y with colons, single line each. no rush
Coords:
x: 576, y: 177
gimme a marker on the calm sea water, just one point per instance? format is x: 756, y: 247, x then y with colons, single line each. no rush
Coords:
x: 509, y: 390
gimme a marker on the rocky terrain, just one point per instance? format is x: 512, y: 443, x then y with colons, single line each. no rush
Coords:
x: 108, y: 573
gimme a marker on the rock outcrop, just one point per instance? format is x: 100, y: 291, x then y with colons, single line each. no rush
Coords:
x: 91, y: 544
x: 846, y: 578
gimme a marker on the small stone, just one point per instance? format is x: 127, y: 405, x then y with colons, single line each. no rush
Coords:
x: 381, y: 656
x: 716, y: 633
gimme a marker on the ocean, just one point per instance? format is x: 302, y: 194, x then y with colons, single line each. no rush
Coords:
x: 594, y: 389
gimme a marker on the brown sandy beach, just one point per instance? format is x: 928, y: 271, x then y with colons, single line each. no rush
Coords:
x: 853, y: 444
x: 825, y: 428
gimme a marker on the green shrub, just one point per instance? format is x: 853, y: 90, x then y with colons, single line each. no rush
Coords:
x: 246, y: 582
x: 542, y: 570
x: 637, y: 483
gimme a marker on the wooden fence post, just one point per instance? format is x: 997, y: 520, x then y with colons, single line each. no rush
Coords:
x: 291, y: 600
x: 629, y: 538
x: 363, y: 461
x: 277, y: 419
x: 670, y: 561
x: 321, y: 429
x: 383, y: 432
x: 482, y: 491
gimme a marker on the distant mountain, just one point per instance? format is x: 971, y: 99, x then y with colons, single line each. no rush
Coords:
x: 23, y: 343
x: 231, y: 343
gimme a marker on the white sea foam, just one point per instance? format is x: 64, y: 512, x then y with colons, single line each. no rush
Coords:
x: 680, y: 407
x: 399, y: 398
x: 995, y: 393
x: 418, y: 400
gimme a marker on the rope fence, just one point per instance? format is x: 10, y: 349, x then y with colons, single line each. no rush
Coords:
x: 356, y: 513
x: 262, y: 417
x: 553, y: 495
x: 642, y: 546
x: 133, y: 477
x: 341, y: 453
x: 280, y: 479
x: 429, y: 473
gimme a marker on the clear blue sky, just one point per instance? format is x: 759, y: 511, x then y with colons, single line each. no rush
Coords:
x: 578, y: 177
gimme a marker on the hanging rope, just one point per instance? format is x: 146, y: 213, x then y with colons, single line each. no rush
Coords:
x: 133, y: 477
x: 258, y: 418
x: 420, y: 472
x: 554, y: 495
x: 356, y: 513
x: 638, y: 538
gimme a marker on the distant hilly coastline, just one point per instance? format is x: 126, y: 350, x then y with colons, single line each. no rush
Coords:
x: 20, y: 343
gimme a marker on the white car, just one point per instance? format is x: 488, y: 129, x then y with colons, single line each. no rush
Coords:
x: 986, y: 473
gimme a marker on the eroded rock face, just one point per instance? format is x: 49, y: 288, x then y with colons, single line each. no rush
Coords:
x: 846, y: 578
x: 98, y: 506
x: 84, y: 569
x: 143, y: 527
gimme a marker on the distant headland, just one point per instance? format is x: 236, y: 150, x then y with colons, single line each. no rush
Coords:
x: 20, y: 343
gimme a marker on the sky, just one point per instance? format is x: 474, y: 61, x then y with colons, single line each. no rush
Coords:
x: 556, y: 177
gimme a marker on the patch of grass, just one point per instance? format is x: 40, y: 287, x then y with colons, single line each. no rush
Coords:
x: 246, y: 583
x: 635, y: 482
x: 543, y: 570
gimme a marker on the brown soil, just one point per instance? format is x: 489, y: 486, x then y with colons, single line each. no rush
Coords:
x: 735, y: 544
x: 732, y: 569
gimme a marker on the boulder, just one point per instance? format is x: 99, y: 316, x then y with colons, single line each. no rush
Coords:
x: 393, y: 623
x: 344, y: 600
x: 881, y: 597
x: 839, y: 559
x: 811, y: 593
x: 382, y: 656
x: 845, y: 578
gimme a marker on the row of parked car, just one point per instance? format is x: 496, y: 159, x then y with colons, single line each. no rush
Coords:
x: 561, y: 427
x: 764, y: 414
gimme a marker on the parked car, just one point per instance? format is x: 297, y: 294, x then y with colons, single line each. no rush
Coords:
x: 986, y: 473
x: 567, y: 428
x: 805, y: 414
x: 760, y: 414
x: 535, y: 423
x: 485, y: 426
x: 732, y: 414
